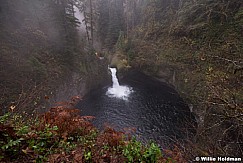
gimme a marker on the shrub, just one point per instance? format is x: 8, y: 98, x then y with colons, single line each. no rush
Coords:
x: 62, y: 135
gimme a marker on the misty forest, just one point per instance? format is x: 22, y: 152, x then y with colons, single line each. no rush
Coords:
x: 121, y: 81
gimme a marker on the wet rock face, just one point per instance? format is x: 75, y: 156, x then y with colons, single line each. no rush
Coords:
x: 78, y: 84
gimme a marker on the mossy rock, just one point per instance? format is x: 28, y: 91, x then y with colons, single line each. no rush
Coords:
x: 119, y: 61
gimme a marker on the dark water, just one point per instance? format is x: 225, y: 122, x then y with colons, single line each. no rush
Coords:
x: 154, y: 109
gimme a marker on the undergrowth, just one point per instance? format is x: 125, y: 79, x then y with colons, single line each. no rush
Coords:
x: 62, y: 135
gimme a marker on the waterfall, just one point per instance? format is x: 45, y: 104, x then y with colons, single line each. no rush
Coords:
x: 118, y: 91
x: 114, y: 78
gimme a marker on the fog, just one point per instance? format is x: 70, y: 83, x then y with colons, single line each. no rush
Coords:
x: 80, y: 17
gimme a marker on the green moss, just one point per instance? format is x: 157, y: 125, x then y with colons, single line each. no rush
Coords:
x: 119, y: 60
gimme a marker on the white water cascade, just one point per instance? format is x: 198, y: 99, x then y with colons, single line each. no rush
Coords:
x: 117, y: 90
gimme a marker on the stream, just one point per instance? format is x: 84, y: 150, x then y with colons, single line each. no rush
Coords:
x: 152, y: 108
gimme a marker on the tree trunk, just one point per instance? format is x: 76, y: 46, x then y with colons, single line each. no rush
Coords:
x: 91, y: 22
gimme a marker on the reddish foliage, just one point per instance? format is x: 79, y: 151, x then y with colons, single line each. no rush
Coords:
x: 68, y: 104
x: 107, y: 146
x: 67, y: 120
x: 175, y: 154
x: 111, y: 137
x: 100, y: 154
x: 129, y: 131
x: 7, y: 129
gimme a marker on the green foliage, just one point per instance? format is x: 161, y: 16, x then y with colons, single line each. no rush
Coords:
x: 87, y: 155
x: 68, y: 146
x: 23, y: 130
x: 120, y: 44
x: 11, y: 143
x: 110, y: 22
x: 4, y: 118
x: 40, y: 141
x: 132, y: 151
x: 125, y: 46
x: 152, y: 153
x: 37, y: 66
x: 45, y: 136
